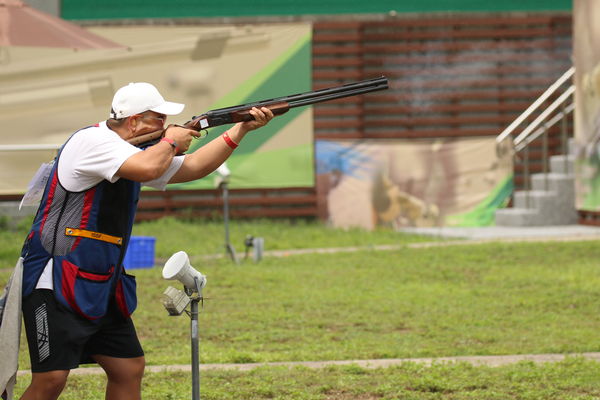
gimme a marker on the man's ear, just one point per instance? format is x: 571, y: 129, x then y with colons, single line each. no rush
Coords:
x: 132, y: 122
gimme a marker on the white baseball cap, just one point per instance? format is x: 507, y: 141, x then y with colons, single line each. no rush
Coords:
x: 138, y: 97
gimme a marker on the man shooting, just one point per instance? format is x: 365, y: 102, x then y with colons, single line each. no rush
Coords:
x: 77, y: 297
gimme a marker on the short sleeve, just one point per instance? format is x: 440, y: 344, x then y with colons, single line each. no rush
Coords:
x: 161, y: 183
x: 92, y: 155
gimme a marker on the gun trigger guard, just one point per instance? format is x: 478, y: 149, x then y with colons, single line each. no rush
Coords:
x: 203, y: 133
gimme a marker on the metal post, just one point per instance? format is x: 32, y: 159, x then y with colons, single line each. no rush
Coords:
x: 195, y: 349
x: 226, y: 213
x: 545, y: 156
x: 195, y: 337
x: 175, y: 301
x: 228, y: 247
x: 564, y: 138
x: 526, y: 170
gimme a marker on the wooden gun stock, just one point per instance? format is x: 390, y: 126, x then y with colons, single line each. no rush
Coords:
x: 149, y: 138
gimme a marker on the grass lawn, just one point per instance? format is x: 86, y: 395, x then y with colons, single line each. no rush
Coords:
x: 208, y: 237
x: 571, y: 379
x: 483, y: 299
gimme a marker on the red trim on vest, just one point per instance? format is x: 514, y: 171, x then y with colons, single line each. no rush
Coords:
x: 88, y: 202
x: 50, y: 198
x: 92, y: 276
x: 120, y: 297
x: 69, y: 276
x: 96, y: 125
x: 68, y: 286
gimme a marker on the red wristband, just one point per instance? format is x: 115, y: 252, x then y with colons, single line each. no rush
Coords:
x: 229, y: 141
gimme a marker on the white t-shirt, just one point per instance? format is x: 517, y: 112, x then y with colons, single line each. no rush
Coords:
x: 92, y: 155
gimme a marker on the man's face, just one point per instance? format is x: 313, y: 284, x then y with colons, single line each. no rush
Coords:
x: 148, y: 121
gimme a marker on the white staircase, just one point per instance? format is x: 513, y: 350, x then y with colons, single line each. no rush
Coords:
x: 549, y: 198
x: 550, y: 202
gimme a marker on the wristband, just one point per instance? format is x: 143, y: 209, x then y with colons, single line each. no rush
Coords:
x: 172, y: 143
x: 229, y: 141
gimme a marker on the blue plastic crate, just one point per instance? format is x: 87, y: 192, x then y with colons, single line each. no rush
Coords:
x: 140, y: 252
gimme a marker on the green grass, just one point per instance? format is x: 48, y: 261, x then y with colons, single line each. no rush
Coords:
x: 465, y: 300
x: 485, y: 299
x: 11, y: 241
x: 574, y: 378
x: 208, y: 237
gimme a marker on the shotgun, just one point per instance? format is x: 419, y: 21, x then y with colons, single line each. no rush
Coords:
x: 278, y: 106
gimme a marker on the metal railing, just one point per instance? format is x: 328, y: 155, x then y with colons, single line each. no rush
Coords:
x: 552, y: 114
x: 28, y: 147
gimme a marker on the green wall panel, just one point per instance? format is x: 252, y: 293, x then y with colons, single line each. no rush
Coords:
x: 290, y: 73
x: 124, y: 9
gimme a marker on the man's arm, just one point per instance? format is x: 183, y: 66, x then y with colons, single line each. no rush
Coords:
x: 151, y: 163
x: 210, y: 156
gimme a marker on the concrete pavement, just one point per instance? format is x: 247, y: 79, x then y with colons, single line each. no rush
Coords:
x: 573, y: 232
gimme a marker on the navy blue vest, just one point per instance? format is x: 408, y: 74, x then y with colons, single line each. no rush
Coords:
x: 86, y: 235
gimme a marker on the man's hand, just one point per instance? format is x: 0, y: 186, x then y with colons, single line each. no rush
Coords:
x: 261, y: 118
x: 182, y: 136
x: 208, y: 157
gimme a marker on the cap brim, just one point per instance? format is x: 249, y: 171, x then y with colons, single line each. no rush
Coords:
x: 169, y: 108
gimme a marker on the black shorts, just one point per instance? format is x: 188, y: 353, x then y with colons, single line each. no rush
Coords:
x: 59, y: 339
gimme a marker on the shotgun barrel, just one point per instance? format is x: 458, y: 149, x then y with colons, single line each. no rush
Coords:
x: 278, y: 105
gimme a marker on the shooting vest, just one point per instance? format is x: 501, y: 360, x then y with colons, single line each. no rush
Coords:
x: 86, y: 235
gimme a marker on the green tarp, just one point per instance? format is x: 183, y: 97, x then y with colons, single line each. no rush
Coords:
x: 123, y: 9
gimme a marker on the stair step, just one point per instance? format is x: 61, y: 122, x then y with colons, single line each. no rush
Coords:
x: 562, y: 164
x: 535, y: 199
x: 531, y: 217
x: 557, y: 182
x: 517, y: 217
x: 572, y: 146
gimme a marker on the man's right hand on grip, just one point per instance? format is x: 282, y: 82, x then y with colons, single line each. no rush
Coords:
x: 181, y: 135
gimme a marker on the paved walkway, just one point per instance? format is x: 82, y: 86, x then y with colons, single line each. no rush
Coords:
x: 455, y: 237
x: 467, y: 236
x: 491, y: 361
x: 574, y: 232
